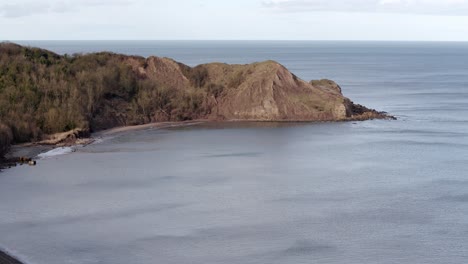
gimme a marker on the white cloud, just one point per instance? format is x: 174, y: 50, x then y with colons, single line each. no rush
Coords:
x: 240, y: 19
x: 12, y: 10
x: 436, y: 7
x: 22, y: 8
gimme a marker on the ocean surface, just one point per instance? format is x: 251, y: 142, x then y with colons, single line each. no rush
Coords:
x: 355, y: 192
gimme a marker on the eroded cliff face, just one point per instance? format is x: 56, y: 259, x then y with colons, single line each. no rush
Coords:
x: 44, y: 93
x: 264, y: 91
x: 166, y: 72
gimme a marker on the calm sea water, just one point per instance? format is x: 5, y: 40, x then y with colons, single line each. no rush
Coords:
x: 358, y: 192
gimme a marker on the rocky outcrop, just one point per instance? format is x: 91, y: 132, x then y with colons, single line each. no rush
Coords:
x: 75, y: 136
x: 43, y: 93
x: 348, y: 110
x: 264, y: 91
x: 7, y: 259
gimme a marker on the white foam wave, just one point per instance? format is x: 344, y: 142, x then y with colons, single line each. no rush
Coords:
x: 56, y: 152
x: 99, y: 140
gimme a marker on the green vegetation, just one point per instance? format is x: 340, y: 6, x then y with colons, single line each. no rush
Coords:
x: 42, y: 93
x: 198, y: 76
x: 6, y: 137
x: 323, y: 82
x: 236, y: 79
x: 327, y: 84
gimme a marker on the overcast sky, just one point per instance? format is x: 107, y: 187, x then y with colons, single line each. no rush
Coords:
x: 239, y: 19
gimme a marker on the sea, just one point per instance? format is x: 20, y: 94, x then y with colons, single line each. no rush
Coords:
x: 378, y: 191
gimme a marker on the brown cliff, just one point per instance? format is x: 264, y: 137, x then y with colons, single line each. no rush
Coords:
x: 264, y: 91
x: 43, y: 93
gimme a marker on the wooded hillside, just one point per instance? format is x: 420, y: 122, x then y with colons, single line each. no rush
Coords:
x: 43, y: 93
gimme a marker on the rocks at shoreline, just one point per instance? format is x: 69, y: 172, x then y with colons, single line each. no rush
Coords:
x: 78, y: 136
x: 13, y: 162
x: 44, y: 94
x: 8, y: 259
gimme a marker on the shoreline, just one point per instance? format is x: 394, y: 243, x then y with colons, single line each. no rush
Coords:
x: 33, y: 149
x: 6, y: 258
x: 158, y: 125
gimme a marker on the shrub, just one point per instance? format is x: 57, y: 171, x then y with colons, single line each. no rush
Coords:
x: 215, y: 89
x: 42, y: 92
x: 6, y: 137
x: 198, y: 76
x: 236, y: 79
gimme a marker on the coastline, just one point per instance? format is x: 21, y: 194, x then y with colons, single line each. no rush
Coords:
x: 158, y: 125
x: 79, y: 137
x: 32, y: 150
x: 8, y: 259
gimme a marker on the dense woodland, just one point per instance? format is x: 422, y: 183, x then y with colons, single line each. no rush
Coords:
x: 42, y: 93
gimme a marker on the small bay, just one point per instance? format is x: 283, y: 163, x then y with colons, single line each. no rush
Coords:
x: 378, y: 191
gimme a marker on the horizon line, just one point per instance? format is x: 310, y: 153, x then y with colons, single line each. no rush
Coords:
x: 233, y: 40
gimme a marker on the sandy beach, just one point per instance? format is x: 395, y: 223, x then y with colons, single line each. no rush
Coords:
x: 117, y: 130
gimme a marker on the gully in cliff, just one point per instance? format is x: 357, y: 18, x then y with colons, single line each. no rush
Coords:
x: 99, y: 91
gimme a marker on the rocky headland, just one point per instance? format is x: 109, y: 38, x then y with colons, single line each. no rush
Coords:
x: 42, y: 94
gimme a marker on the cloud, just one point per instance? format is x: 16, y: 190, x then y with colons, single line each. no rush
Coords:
x: 434, y: 7
x: 22, y: 8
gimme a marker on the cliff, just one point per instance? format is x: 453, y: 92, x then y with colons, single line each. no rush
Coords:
x: 43, y: 93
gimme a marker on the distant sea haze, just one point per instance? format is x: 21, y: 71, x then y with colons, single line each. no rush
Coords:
x: 352, y: 64
x: 351, y: 192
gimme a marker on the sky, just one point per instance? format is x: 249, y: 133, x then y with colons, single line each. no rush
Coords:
x: 395, y: 20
